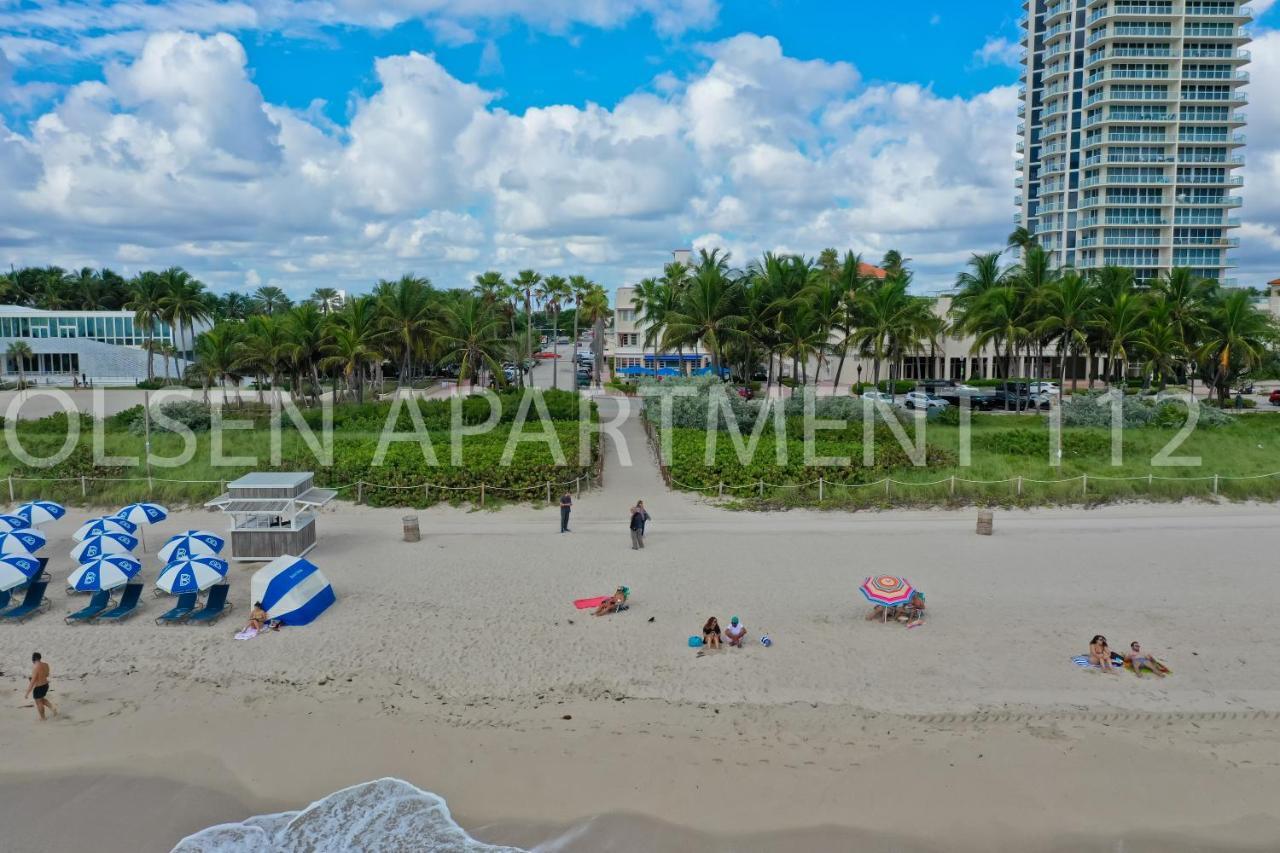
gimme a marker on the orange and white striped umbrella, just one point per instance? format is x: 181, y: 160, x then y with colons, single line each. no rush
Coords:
x: 887, y: 590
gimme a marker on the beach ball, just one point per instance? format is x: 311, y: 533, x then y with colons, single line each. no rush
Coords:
x: 765, y: 641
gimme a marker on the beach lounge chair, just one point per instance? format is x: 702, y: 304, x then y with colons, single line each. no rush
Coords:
x: 101, y: 601
x: 34, y: 602
x: 215, y: 606
x: 128, y: 604
x: 185, y: 607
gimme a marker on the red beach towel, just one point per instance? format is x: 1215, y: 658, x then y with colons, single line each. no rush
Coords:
x: 591, y: 603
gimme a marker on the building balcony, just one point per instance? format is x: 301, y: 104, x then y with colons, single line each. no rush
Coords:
x: 1105, y: 74
x: 1211, y: 180
x: 1209, y: 31
x: 1125, y: 53
x: 1209, y: 137
x: 1141, y: 221
x: 1227, y: 162
x: 1216, y: 53
x: 1223, y: 242
x: 1201, y: 201
x: 1234, y: 77
x: 1129, y: 97
x: 1134, y: 159
x: 1124, y: 180
x: 1121, y: 32
x: 1133, y: 10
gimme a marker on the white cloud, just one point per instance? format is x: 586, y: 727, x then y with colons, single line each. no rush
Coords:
x: 998, y: 50
x: 175, y: 157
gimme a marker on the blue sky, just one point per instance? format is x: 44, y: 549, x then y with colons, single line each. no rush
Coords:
x: 306, y: 144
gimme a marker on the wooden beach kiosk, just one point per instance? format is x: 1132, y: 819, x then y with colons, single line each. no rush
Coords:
x: 272, y: 514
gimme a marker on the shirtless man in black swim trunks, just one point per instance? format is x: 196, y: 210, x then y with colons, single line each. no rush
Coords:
x: 38, y: 686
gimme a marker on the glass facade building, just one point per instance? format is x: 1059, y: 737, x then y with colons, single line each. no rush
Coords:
x: 1131, y: 132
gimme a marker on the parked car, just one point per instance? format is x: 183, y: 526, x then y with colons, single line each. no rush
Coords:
x: 745, y: 392
x: 878, y: 397
x: 1044, y: 388
x: 923, y: 400
x: 1274, y: 399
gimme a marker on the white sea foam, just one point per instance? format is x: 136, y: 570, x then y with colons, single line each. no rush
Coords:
x: 385, y: 815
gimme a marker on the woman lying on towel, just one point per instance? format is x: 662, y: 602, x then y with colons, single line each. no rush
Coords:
x: 613, y: 603
x: 1138, y: 661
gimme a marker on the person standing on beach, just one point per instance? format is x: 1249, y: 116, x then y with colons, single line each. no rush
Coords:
x: 639, y: 515
x: 566, y: 506
x: 38, y: 685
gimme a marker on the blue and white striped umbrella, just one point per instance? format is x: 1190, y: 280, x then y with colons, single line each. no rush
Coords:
x: 143, y: 513
x: 24, y: 543
x: 13, y: 522
x: 104, y: 573
x: 107, y: 524
x: 191, y: 575
x: 37, y: 513
x: 291, y: 590
x: 104, y: 545
x: 193, y: 543
x: 16, y: 571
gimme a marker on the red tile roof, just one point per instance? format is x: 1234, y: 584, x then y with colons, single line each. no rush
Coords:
x: 872, y: 270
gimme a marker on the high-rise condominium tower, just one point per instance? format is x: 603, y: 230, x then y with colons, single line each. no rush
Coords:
x: 1131, y: 132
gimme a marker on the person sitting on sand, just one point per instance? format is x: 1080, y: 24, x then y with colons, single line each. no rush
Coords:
x: 711, y: 634
x: 1100, y: 654
x: 915, y: 608
x: 1138, y: 661
x: 879, y: 611
x: 613, y: 603
x: 257, y: 618
x: 736, y: 633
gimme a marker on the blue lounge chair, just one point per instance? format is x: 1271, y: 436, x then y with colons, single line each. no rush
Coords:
x: 34, y: 602
x: 100, y: 602
x: 215, y: 606
x: 128, y: 604
x: 185, y: 607
x: 5, y: 595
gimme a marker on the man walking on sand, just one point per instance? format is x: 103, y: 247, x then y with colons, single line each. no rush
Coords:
x: 639, y: 515
x: 566, y: 506
x: 38, y: 686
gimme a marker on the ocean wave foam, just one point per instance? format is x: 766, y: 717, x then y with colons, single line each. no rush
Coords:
x: 384, y: 815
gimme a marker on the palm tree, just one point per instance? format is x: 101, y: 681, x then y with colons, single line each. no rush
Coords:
x: 89, y: 288
x: 1119, y: 325
x: 148, y: 304
x: 405, y: 307
x: 709, y: 314
x: 236, y: 306
x: 1189, y: 299
x: 20, y: 353
x: 848, y: 281
x: 893, y: 322
x: 270, y: 300
x: 1021, y: 239
x: 1068, y: 312
x: 524, y: 282
x: 894, y: 264
x: 1236, y: 338
x: 326, y: 299
x: 472, y: 337
x: 551, y: 293
x: 595, y: 310
x: 490, y: 286
x: 652, y: 302
x: 219, y: 352
x: 185, y: 305
x: 354, y: 342
x: 1160, y: 342
x: 306, y: 327
x: 579, y: 286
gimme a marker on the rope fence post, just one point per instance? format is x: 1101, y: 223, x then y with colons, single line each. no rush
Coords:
x: 84, y: 488
x: 577, y: 482
x: 11, y: 488
x: 359, y: 491
x: 1084, y: 485
x: 1019, y: 487
x: 887, y: 484
x: 482, y: 494
x: 953, y: 485
x: 1215, y: 484
x: 548, y: 491
x: 762, y: 488
x: 426, y: 493
x: 722, y: 488
x: 821, y: 490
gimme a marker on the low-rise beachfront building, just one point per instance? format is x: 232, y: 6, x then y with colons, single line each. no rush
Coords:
x: 105, y: 347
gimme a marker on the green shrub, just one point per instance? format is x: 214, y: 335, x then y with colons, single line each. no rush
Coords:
x: 193, y: 414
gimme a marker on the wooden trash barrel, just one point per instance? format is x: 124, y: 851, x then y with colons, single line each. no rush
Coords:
x: 985, y: 520
x: 411, y: 532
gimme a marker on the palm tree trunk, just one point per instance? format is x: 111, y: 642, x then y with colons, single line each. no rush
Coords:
x: 844, y: 353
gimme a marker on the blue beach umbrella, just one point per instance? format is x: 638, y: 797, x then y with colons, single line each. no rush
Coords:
x: 668, y: 371
x: 107, y: 524
x: 16, y: 571
x: 104, y: 573
x: 198, y: 573
x: 10, y: 523
x: 23, y: 543
x: 143, y: 513
x: 104, y: 545
x: 292, y: 590
x: 37, y: 513
x: 191, y: 544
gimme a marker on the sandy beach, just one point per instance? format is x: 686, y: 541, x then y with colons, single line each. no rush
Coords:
x: 460, y: 665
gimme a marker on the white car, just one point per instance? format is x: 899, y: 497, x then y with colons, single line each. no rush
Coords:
x: 964, y: 389
x: 1044, y: 388
x: 923, y: 400
x: 877, y: 397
